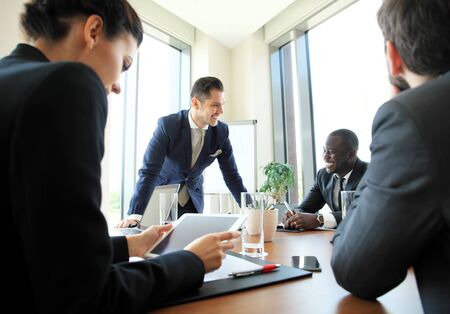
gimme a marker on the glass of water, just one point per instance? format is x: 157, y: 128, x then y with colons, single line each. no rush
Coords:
x: 252, y: 206
x: 346, y: 200
x: 168, y: 208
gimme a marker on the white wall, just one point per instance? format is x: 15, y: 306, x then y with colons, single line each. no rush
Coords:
x: 165, y: 21
x: 200, y: 56
x: 251, y: 91
x: 245, y: 72
x: 211, y: 58
x: 220, y: 66
x: 9, y: 25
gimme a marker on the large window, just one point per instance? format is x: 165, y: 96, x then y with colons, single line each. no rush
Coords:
x: 158, y: 89
x: 290, y: 113
x: 348, y: 74
x: 113, y: 158
x: 156, y: 85
x: 333, y: 76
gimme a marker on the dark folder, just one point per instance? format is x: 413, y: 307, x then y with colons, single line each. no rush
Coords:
x: 231, y: 285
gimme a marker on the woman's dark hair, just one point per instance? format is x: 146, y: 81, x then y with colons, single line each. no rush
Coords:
x: 203, y: 86
x: 51, y: 18
x: 419, y: 30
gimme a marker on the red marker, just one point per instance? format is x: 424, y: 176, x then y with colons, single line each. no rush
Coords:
x: 264, y: 269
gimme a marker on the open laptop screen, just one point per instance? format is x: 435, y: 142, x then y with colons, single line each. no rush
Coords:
x: 151, y: 214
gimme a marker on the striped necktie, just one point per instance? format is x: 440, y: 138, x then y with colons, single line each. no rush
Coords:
x: 197, y: 139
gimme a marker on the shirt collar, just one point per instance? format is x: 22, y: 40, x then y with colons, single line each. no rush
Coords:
x: 192, y: 123
x: 345, y: 177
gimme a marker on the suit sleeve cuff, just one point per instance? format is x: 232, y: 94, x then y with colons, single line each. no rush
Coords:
x: 120, y: 249
x: 328, y: 220
x: 135, y: 217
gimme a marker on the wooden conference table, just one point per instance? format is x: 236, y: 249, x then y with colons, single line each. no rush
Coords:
x: 317, y: 294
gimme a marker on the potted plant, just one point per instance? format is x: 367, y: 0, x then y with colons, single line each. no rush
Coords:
x: 279, y: 178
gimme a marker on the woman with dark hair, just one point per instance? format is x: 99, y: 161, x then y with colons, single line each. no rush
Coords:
x: 52, y: 117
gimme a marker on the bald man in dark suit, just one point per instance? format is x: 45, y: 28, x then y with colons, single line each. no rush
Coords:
x: 343, y: 170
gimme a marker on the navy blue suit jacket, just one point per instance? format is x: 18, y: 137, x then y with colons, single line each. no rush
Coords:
x: 322, y: 190
x: 167, y: 160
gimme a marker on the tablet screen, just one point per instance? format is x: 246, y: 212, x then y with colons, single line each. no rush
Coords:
x: 191, y: 226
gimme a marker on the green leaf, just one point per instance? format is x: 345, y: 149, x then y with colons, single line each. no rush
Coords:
x: 279, y: 178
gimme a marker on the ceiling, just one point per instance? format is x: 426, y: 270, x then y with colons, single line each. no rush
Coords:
x: 228, y: 21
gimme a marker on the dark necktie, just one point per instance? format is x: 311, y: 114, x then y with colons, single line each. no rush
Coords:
x: 341, y: 188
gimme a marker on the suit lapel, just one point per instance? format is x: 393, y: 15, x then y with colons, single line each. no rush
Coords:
x: 351, y: 181
x: 354, y: 178
x: 330, y: 189
x: 186, y: 141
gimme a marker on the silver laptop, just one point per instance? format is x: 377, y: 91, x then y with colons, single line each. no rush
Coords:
x: 151, y: 214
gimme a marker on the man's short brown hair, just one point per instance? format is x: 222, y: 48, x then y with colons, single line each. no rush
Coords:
x: 419, y: 29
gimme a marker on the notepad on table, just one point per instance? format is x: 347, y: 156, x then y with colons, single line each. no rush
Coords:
x: 230, y: 265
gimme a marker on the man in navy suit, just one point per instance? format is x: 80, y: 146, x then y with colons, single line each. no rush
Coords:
x: 182, y: 146
x: 341, y: 165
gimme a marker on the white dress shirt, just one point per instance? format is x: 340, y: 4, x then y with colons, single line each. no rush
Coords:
x: 328, y: 219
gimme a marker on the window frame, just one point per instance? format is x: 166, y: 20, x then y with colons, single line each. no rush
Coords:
x: 130, y: 89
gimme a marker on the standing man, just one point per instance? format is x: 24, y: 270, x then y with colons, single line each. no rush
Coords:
x: 401, y: 218
x: 343, y: 171
x: 182, y: 146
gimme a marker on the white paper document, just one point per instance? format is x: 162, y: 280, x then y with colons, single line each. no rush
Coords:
x: 229, y: 265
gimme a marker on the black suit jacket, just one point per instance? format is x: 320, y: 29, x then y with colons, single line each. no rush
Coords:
x: 60, y: 257
x: 322, y: 190
x: 401, y: 215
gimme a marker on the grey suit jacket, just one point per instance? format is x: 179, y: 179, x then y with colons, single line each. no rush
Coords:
x: 322, y: 190
x: 401, y: 215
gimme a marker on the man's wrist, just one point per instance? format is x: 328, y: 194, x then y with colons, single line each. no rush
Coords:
x: 136, y: 223
x: 135, y: 217
x: 329, y: 220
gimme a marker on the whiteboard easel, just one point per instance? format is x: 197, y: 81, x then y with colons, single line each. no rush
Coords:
x: 243, y: 140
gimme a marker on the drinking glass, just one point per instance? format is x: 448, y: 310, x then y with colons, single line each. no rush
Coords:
x: 252, y: 206
x: 346, y: 200
x: 168, y: 208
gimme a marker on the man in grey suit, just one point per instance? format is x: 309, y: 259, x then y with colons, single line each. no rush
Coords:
x: 343, y: 171
x: 401, y: 215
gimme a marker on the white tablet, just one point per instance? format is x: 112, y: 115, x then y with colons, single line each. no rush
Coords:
x: 192, y: 226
